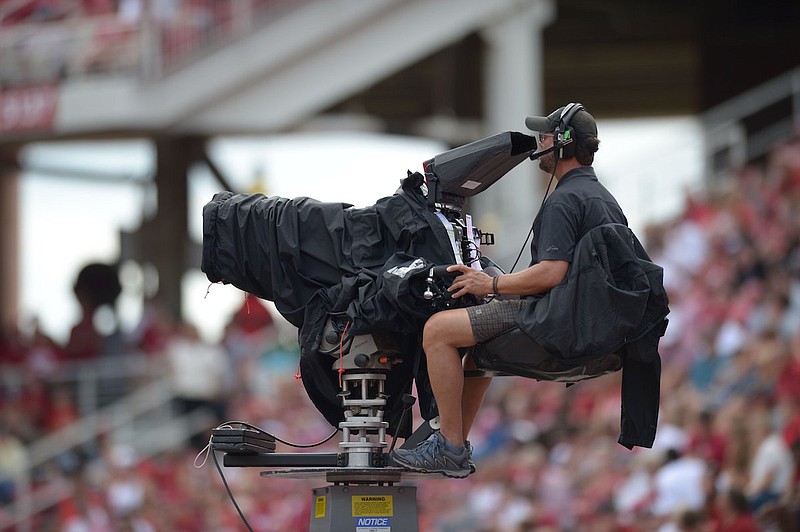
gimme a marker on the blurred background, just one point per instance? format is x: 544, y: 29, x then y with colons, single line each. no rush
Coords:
x: 119, y: 119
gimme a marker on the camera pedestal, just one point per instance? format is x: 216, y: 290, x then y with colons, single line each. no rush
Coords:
x: 363, y: 495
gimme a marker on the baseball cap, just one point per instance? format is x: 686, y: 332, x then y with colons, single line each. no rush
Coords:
x: 582, y: 123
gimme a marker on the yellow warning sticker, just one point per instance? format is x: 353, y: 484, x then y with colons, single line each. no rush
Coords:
x: 373, y: 505
x: 319, y: 506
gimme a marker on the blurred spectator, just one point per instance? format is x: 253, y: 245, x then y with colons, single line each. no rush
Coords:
x: 12, y: 350
x: 685, y: 521
x: 198, y: 372
x: 42, y: 353
x: 154, y: 330
x: 706, y: 442
x: 84, y: 510
x: 13, y: 464
x: 734, y: 514
x: 126, y: 490
x: 679, y: 483
x: 248, y: 336
x: 772, y: 466
x: 788, y: 408
x: 96, y: 289
x: 23, y: 407
x: 60, y: 410
x: 788, y: 383
x: 738, y: 450
x: 94, y: 8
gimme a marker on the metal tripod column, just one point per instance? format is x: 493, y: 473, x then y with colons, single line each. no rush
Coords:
x: 363, y: 428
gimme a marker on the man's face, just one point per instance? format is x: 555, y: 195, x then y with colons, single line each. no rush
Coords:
x: 547, y: 162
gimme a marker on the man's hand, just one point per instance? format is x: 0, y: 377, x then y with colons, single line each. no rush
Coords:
x: 470, y: 281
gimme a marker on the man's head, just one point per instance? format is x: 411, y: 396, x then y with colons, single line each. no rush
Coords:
x: 573, y: 128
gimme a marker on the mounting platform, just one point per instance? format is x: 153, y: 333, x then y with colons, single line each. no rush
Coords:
x: 360, y: 499
x: 351, y: 475
x: 364, y: 509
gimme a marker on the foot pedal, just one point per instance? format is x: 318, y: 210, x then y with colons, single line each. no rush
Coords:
x: 242, y: 441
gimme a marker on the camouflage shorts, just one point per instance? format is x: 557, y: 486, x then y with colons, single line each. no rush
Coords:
x: 495, y: 317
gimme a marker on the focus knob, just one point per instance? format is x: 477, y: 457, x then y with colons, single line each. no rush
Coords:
x: 331, y: 337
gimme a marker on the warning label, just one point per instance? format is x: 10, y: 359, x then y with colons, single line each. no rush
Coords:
x: 319, y: 506
x: 373, y: 505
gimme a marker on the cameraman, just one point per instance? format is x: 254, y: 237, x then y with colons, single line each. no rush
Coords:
x: 578, y: 204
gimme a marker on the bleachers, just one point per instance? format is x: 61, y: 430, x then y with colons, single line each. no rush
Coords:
x: 63, y: 415
x: 40, y: 46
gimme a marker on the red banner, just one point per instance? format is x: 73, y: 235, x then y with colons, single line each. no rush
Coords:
x: 28, y: 109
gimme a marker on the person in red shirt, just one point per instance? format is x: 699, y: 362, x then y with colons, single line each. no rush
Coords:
x: 705, y: 442
x: 733, y: 514
x: 60, y: 409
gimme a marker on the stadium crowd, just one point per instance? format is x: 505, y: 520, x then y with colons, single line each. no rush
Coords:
x: 726, y: 456
x: 32, y: 11
x: 44, y: 41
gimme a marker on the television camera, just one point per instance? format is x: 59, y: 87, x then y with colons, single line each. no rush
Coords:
x: 365, y: 482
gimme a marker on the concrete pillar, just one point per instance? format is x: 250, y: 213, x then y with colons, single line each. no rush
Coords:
x: 513, y: 88
x: 165, y: 238
x: 9, y: 237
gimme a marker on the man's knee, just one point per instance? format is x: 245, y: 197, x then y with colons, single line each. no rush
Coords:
x: 435, y: 327
x: 449, y: 327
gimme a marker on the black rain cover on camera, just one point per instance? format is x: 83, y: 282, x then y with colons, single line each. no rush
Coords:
x: 474, y: 167
x: 313, y: 259
x: 287, y: 250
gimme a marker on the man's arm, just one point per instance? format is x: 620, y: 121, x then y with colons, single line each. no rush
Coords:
x: 536, y: 279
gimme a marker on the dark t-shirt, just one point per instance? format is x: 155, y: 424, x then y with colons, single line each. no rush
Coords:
x: 578, y: 204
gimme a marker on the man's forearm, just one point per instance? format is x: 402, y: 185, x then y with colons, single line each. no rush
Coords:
x: 536, y: 279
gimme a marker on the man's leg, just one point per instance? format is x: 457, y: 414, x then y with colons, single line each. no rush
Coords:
x: 444, y: 333
x: 487, y: 322
x: 444, y: 451
x: 472, y: 397
x: 458, y: 401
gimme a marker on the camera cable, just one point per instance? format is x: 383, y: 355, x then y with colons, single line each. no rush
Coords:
x: 544, y: 198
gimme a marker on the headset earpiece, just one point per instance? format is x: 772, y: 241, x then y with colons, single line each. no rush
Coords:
x: 564, y: 134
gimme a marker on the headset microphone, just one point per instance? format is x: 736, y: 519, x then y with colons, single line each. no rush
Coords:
x: 553, y: 148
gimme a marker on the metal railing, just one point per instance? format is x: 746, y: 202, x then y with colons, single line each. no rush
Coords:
x: 750, y: 125
x: 145, y: 45
x: 144, y: 418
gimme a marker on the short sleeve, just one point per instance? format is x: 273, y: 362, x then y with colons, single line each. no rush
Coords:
x: 558, y: 233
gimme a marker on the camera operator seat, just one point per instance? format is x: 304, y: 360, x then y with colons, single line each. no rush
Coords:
x: 515, y: 353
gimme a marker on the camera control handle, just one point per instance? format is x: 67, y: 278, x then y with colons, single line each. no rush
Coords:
x: 441, y: 272
x: 436, y: 272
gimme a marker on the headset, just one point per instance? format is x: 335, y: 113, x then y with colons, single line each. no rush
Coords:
x: 564, y: 134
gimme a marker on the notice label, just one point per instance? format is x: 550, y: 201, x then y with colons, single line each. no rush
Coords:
x: 373, y: 506
x: 373, y: 524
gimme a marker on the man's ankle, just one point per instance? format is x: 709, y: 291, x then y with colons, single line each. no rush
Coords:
x: 452, y: 446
